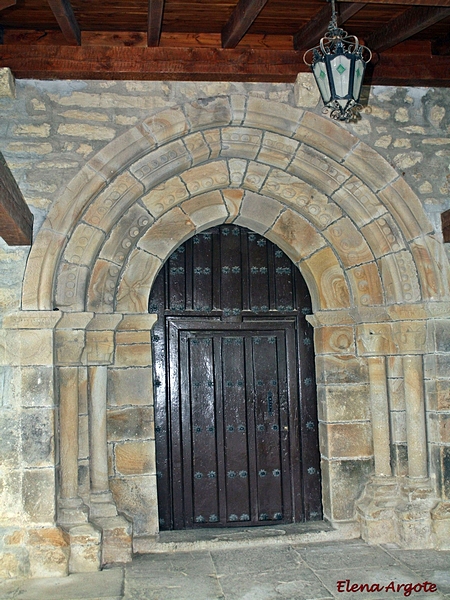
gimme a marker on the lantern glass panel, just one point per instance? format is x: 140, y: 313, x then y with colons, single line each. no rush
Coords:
x: 340, y: 68
x: 360, y: 67
x: 320, y: 74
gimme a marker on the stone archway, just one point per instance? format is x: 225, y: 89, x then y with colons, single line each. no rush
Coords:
x: 377, y: 276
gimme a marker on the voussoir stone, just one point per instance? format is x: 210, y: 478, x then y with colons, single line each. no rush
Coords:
x: 265, y: 114
x: 325, y: 273
x: 206, y: 210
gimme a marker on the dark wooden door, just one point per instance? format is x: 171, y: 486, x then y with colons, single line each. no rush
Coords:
x: 235, y: 408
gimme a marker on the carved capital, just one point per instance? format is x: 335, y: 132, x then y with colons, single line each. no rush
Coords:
x: 376, y: 339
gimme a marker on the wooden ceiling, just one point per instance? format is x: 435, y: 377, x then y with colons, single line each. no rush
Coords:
x: 222, y: 40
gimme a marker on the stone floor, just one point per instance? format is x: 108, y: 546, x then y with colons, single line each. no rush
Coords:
x: 282, y: 571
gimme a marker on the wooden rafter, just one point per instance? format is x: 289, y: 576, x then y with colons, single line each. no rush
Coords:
x: 310, y: 34
x: 441, y: 46
x: 155, y: 16
x: 415, y: 63
x: 7, y: 3
x: 16, y: 220
x: 63, y: 11
x: 406, y: 2
x: 240, y: 21
x: 407, y: 24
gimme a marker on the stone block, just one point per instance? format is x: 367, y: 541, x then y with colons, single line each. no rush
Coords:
x: 134, y: 289
x: 167, y: 233
x: 136, y: 497
x: 440, y: 524
x: 267, y: 115
x: 277, y: 150
x: 36, y: 386
x: 440, y: 461
x: 137, y: 322
x: 370, y: 167
x: 295, y: 235
x: 301, y: 197
x: 83, y: 245
x: 26, y: 347
x: 25, y: 319
x: 334, y: 340
x: 255, y: 176
x: 383, y: 236
x: 258, y: 213
x: 7, y: 83
x: 48, y: 553
x: 318, y: 170
x: 71, y: 287
x: 130, y: 423
x: 11, y: 499
x: 398, y: 426
x: 133, y: 355
x: 432, y: 266
x: 38, y: 492
x: 439, y: 428
x: 38, y: 434
x: 102, y: 288
x: 321, y: 133
x: 166, y: 125
x: 326, y: 280
x: 135, y: 458
x: 85, y: 549
x: 198, y: 148
x: 436, y: 366
x: 241, y: 142
x: 237, y: 168
x: 410, y: 336
x: 10, y: 432
x: 399, y: 460
x: 207, y: 177
x: 359, y: 202
x: 204, y: 112
x: 238, y: 104
x: 346, y: 440
x: 99, y: 347
x: 116, y: 539
x: 233, y: 200
x: 163, y: 197
x: 375, y: 339
x: 206, y: 210
x: 341, y: 369
x: 366, y: 285
x: 306, y: 92
x: 69, y: 346
x: 162, y: 164
x: 213, y: 139
x: 343, y: 402
x: 348, y: 243
x: 343, y: 482
x: 437, y: 394
x: 14, y: 563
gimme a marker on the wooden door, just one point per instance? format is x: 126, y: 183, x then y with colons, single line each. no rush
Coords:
x: 235, y: 408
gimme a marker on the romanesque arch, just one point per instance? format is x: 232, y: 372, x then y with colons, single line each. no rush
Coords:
x: 357, y: 232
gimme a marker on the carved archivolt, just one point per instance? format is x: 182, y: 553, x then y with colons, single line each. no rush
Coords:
x: 336, y: 207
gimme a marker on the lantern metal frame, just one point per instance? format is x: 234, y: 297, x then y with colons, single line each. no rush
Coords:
x: 338, y: 64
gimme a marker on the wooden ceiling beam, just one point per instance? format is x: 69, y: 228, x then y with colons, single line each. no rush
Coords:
x: 63, y: 12
x: 310, y: 34
x: 407, y: 24
x: 240, y: 21
x: 154, y: 23
x: 7, y: 3
x: 16, y: 220
x: 414, y: 66
x: 441, y: 46
x: 404, y: 2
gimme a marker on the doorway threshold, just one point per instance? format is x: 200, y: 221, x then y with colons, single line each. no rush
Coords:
x: 219, y: 538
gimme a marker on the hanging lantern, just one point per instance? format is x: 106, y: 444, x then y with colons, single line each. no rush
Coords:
x: 338, y: 64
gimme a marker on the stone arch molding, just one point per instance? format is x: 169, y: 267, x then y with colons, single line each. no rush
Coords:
x: 351, y: 224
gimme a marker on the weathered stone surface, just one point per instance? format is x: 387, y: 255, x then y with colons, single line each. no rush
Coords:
x: 383, y: 236
x: 133, y: 355
x: 206, y: 210
x: 255, y: 176
x: 366, y: 285
x: 348, y: 402
x: 204, y: 112
x: 7, y: 83
x: 116, y: 539
x: 198, y: 148
x: 136, y: 497
x: 399, y: 277
x: 135, y: 458
x: 204, y: 178
x: 370, y: 167
x: 258, y: 213
x: 344, y: 481
x: 130, y: 423
x: 277, y: 150
x: 438, y: 395
x: 232, y: 199
x: 295, y: 236
x: 346, y: 440
x: 320, y: 171
x: 71, y: 287
x: 164, y: 196
x: 142, y: 268
x: 26, y: 347
x: 306, y: 92
x: 37, y: 434
x: 263, y: 114
x: 168, y: 232
x: 38, y: 489
x: 334, y: 340
x: 165, y: 125
x: 326, y: 280
x: 340, y: 369
x: 324, y: 135
x: 358, y: 201
x: 85, y: 549
x: 432, y: 268
x: 162, y: 164
x: 241, y: 142
x: 83, y: 245
x: 348, y: 242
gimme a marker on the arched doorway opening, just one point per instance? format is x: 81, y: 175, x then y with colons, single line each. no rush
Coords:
x: 234, y: 388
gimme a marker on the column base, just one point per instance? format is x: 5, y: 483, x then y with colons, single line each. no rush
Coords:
x: 102, y: 505
x: 376, y: 510
x: 117, y: 534
x: 413, y: 514
x: 440, y: 525
x: 85, y: 549
x: 72, y: 512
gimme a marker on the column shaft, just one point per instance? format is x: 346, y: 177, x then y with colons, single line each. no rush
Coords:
x: 380, y: 415
x: 68, y: 426
x: 99, y: 454
x: 415, y: 416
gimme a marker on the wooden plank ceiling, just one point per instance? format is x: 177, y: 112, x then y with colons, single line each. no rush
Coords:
x: 225, y: 40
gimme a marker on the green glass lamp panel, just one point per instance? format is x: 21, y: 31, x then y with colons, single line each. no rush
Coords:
x: 321, y: 77
x: 340, y: 69
x: 360, y: 66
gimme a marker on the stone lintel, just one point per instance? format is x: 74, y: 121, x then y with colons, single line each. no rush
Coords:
x: 31, y: 319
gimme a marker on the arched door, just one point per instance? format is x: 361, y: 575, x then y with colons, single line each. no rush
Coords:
x: 235, y: 403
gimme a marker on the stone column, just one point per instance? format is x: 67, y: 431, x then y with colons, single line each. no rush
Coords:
x: 415, y: 416
x: 380, y: 416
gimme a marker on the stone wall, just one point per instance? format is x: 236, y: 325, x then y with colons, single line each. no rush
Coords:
x: 76, y: 147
